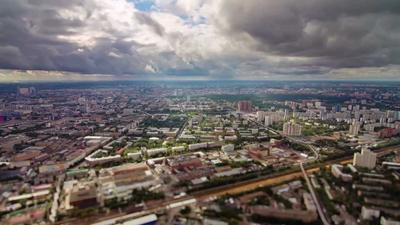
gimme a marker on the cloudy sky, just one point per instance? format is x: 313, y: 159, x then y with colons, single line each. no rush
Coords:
x: 202, y: 39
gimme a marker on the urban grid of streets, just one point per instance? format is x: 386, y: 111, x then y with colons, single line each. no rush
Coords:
x: 172, y: 154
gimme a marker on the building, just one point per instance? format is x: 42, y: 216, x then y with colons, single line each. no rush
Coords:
x: 268, y: 121
x: 365, y: 159
x: 184, y: 162
x: 336, y: 108
x: 272, y: 117
x: 337, y: 171
x: 178, y: 149
x: 244, y: 106
x: 134, y: 155
x: 197, y: 146
x: 101, y: 157
x: 260, y: 116
x: 291, y: 129
x: 118, y: 182
x: 144, y: 220
x: 27, y: 91
x: 228, y: 148
x: 387, y: 132
x: 354, y: 128
x: 369, y: 213
x: 385, y: 221
x: 156, y: 151
x: 305, y: 216
x: 195, y: 173
x: 82, y: 195
x: 309, y: 202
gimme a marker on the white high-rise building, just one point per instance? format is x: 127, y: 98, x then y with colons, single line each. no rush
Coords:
x: 354, y: 128
x: 291, y: 129
x: 260, y: 116
x: 268, y: 121
x: 285, y: 116
x: 366, y: 159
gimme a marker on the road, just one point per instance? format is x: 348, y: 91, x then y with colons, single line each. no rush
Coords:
x: 56, y: 198
x: 314, y: 196
x: 289, y: 138
x: 182, y: 128
x: 213, y: 193
x: 250, y: 186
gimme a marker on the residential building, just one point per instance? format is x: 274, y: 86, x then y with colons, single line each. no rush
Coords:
x: 244, y: 106
x: 291, y: 129
x: 354, y: 128
x: 366, y: 159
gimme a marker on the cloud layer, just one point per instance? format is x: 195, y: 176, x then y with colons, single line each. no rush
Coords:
x: 215, y: 39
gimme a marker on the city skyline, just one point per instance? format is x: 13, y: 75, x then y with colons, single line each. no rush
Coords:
x: 201, y: 153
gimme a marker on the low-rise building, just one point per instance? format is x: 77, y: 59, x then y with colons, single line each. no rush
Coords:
x: 337, y: 171
x: 228, y: 148
x: 369, y: 213
x: 82, y: 195
x: 118, y: 182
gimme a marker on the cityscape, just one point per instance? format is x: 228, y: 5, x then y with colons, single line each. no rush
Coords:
x: 199, y: 112
x: 215, y: 153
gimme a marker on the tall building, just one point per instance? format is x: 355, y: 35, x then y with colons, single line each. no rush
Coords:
x: 28, y: 91
x: 397, y: 115
x: 244, y: 106
x: 260, y: 116
x: 285, y: 116
x: 354, y: 128
x: 365, y: 159
x: 291, y: 129
x: 350, y: 107
x: 268, y: 121
x: 336, y: 108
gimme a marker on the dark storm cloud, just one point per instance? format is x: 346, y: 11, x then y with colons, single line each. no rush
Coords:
x: 146, y: 19
x: 108, y: 57
x: 336, y: 34
x: 30, y: 31
x: 235, y: 38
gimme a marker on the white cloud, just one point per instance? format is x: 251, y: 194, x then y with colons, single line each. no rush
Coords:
x: 255, y: 39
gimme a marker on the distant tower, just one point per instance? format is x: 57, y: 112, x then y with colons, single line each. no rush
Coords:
x: 285, y: 115
x: 26, y: 91
x: 260, y: 116
x: 354, y: 128
x: 337, y: 108
x: 291, y: 129
x: 268, y: 121
x: 244, y: 106
x: 87, y: 107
